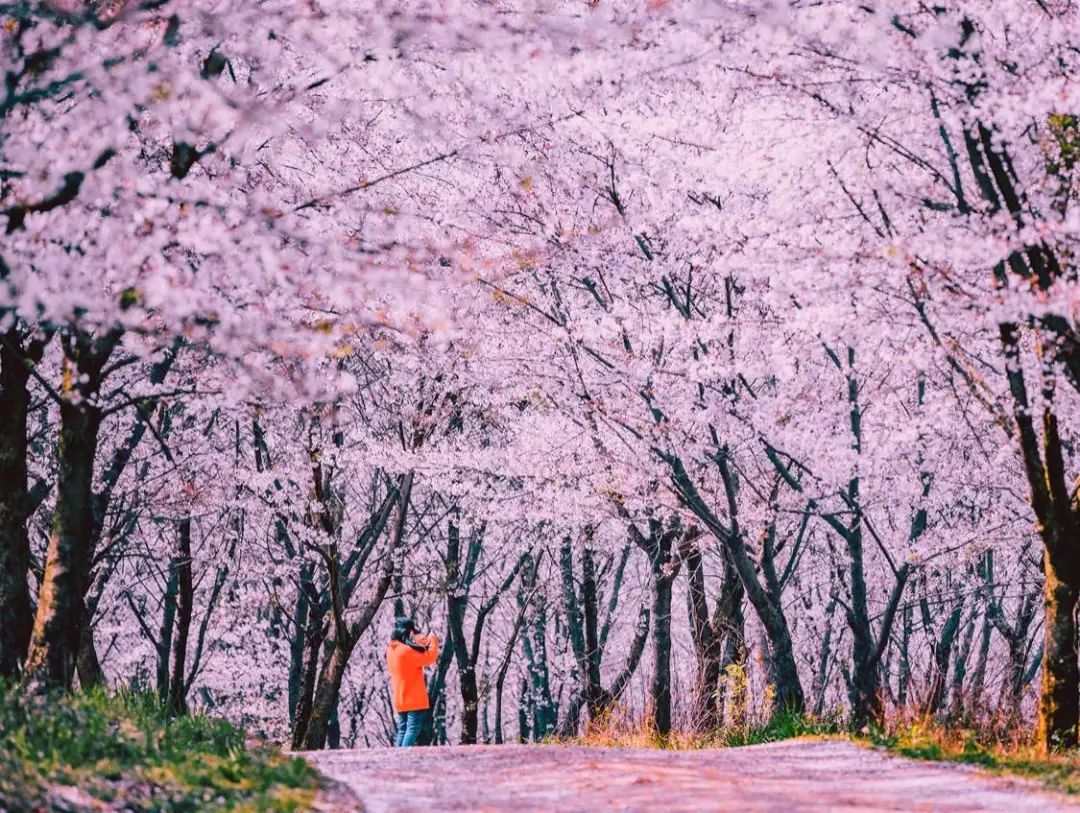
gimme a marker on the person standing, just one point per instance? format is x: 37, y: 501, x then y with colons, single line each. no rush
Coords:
x: 406, y: 658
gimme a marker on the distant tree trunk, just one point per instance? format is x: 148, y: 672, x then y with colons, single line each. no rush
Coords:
x: 584, y: 633
x: 659, y: 546
x: 868, y: 649
x: 400, y: 518
x: 470, y: 697
x: 459, y: 580
x: 904, y: 677
x: 165, y: 632
x: 16, y: 613
x: 960, y: 662
x: 177, y: 702
x: 437, y: 689
x: 633, y: 657
x: 88, y: 664
x: 978, y: 675
x: 504, y: 665
x: 717, y: 641
x: 576, y: 634
x: 708, y: 647
x: 524, y: 703
x: 328, y: 688
x: 534, y: 642
x: 311, y: 726
x: 765, y: 598
x: 660, y: 688
x: 595, y: 697
x: 939, y: 669
x: 57, y: 631
x: 820, y: 683
x: 865, y: 688
x: 333, y: 727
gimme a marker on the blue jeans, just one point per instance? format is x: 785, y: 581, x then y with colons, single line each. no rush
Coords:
x: 409, y: 726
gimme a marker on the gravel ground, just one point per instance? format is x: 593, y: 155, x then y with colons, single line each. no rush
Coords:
x: 797, y: 775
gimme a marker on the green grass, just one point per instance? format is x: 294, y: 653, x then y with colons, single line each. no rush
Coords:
x: 123, y: 747
x: 784, y: 725
x: 1017, y: 757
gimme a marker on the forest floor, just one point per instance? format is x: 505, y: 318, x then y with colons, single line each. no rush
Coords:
x: 795, y: 775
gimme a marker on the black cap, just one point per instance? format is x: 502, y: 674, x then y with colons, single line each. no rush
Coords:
x: 403, y: 625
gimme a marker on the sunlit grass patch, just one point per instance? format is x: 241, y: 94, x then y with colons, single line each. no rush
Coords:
x: 123, y: 747
x: 1013, y: 754
x: 620, y: 733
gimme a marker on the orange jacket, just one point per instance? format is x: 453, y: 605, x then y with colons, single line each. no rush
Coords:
x: 407, y: 673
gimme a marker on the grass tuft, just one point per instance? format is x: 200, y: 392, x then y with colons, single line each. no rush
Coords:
x: 620, y: 733
x: 123, y: 747
x: 1015, y: 754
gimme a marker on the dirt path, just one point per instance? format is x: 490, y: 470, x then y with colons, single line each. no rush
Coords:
x: 790, y: 776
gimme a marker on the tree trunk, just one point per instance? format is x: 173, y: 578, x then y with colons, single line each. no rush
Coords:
x: 315, y: 726
x: 595, y: 697
x: 524, y: 735
x: 904, y: 677
x: 326, y: 696
x: 1053, y: 498
x: 940, y: 667
x: 315, y: 637
x: 865, y: 688
x: 298, y: 640
x: 820, y: 683
x: 333, y: 727
x: 504, y: 665
x: 660, y: 688
x: 57, y: 632
x: 88, y: 664
x: 664, y: 568
x: 960, y: 662
x: 575, y: 629
x: 766, y: 603
x: 16, y: 614
x: 1059, y: 703
x: 707, y: 647
x: 165, y: 632
x: 177, y: 702
x: 534, y: 643
x: 978, y: 675
x: 466, y: 670
x: 437, y: 688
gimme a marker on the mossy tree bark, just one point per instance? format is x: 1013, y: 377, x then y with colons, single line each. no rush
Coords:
x: 18, y: 354
x: 58, y: 624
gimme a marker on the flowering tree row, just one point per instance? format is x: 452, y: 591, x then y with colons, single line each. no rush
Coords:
x: 692, y: 361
